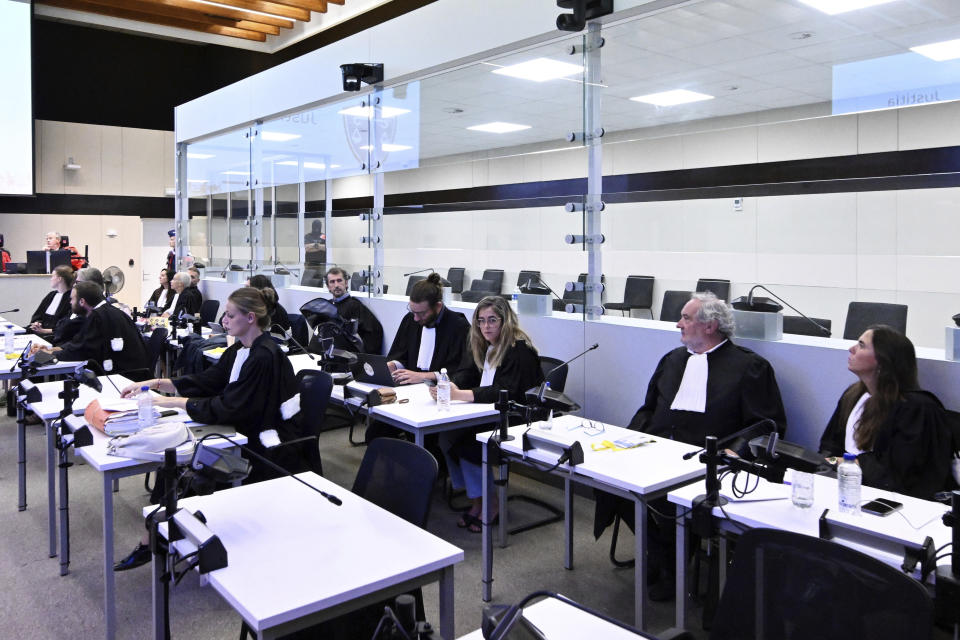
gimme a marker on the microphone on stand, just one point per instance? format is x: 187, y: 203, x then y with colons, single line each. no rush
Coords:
x: 288, y: 335
x: 733, y: 436
x: 554, y: 399
x: 596, y: 345
x: 530, y: 288
x: 10, y: 310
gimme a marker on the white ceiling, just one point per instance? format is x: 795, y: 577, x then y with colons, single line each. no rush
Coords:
x: 709, y: 47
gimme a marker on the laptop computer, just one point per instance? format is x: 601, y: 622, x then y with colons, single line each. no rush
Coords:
x: 372, y: 369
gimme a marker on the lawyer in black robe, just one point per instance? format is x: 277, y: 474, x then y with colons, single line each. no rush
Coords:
x: 911, y: 450
x: 452, y: 329
x: 104, y: 323
x: 48, y: 320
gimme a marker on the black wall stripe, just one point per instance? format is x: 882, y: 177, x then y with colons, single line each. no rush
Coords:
x: 918, y: 169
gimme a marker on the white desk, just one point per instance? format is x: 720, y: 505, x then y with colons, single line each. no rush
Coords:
x: 295, y: 559
x: 561, y: 621
x: 640, y: 474
x: 781, y: 514
x: 17, y: 329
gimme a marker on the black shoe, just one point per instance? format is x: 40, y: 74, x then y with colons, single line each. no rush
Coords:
x: 665, y: 589
x: 137, y: 558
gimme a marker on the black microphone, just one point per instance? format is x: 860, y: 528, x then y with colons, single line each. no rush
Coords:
x: 734, y: 436
x: 288, y: 335
x: 86, y: 377
x: 543, y: 386
x: 10, y: 310
x: 332, y: 498
x: 412, y: 273
x: 23, y: 356
x: 750, y: 305
x: 223, y: 274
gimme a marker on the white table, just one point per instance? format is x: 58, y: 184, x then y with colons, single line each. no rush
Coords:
x: 558, y: 620
x: 640, y: 474
x: 295, y: 559
x: 418, y: 415
x: 17, y: 329
x: 781, y: 514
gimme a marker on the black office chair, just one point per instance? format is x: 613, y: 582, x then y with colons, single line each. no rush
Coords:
x: 312, y: 277
x: 412, y: 280
x: 637, y: 294
x: 861, y: 315
x: 155, y: 346
x: 357, y: 281
x: 496, y: 277
x: 315, y: 389
x: 785, y: 585
x: 527, y: 276
x: 299, y: 328
x: 672, y: 305
x: 802, y: 327
x: 398, y: 476
x: 479, y: 289
x: 574, y: 297
x: 208, y: 310
x: 558, y: 378
x: 455, y: 276
x: 717, y: 286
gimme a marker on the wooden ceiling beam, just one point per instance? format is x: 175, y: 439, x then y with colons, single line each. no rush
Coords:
x: 272, y: 8
x: 225, y: 12
x: 162, y: 9
x: 140, y: 16
x: 309, y: 5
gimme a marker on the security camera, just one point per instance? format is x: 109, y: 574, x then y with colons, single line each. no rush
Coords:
x: 583, y: 10
x: 357, y: 73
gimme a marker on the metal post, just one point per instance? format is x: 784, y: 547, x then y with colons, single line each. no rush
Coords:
x: 593, y: 132
x: 181, y: 204
x: 328, y: 216
x: 376, y: 225
x: 255, y: 213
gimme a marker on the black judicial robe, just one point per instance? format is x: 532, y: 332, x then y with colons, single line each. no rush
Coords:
x: 911, y: 449
x: 189, y: 302
x: 741, y: 390
x: 155, y: 297
x: 451, y: 341
x: 67, y: 328
x: 368, y: 327
x: 50, y: 321
x: 519, y: 371
x: 93, y: 341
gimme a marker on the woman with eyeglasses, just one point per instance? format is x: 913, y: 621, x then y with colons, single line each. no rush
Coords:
x: 499, y: 356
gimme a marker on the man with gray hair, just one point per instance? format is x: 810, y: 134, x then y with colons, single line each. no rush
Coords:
x: 708, y: 387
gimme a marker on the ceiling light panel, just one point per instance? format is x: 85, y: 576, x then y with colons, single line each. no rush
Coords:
x: 939, y: 51
x: 276, y: 136
x: 498, y: 127
x: 540, y: 70
x: 672, y: 98
x: 834, y: 7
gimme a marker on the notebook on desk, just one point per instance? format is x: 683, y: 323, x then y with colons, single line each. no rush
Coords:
x: 201, y: 430
x: 372, y: 369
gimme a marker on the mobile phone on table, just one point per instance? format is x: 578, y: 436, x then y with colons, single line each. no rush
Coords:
x: 881, y: 507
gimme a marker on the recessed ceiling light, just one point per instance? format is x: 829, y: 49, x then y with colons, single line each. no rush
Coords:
x: 833, y: 7
x: 499, y: 127
x: 388, y: 147
x: 308, y: 165
x: 671, y: 98
x: 276, y: 136
x: 199, y: 156
x: 939, y: 51
x: 367, y: 112
x: 540, y: 70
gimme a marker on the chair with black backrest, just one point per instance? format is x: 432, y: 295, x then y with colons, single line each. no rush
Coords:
x: 672, y: 305
x: 455, y: 276
x: 574, y: 297
x: 526, y: 277
x: 412, y: 280
x: 208, y: 310
x: 802, y: 327
x: 637, y: 294
x: 716, y: 286
x: 496, y: 277
x: 789, y: 585
x: 315, y: 389
x: 557, y: 377
x: 861, y: 315
x: 312, y: 277
x: 357, y: 281
x: 299, y: 328
x: 479, y: 289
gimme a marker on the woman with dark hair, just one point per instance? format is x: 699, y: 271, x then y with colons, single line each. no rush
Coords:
x: 898, y: 431
x: 162, y: 295
x: 278, y: 315
x: 55, y: 306
x: 499, y: 356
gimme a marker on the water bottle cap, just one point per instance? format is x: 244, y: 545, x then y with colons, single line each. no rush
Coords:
x: 9, y: 326
x: 144, y: 388
x: 443, y: 370
x: 849, y: 457
x: 547, y: 383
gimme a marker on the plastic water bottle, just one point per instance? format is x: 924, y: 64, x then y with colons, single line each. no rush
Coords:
x: 849, y: 477
x: 516, y: 295
x: 443, y: 391
x: 8, y: 339
x: 144, y: 408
